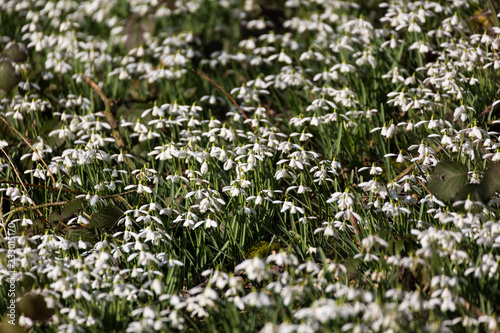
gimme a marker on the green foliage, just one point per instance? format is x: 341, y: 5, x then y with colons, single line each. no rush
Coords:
x: 301, y: 205
x: 105, y: 218
x: 261, y: 249
x: 76, y: 235
x: 68, y: 211
x: 16, y: 53
x: 8, y: 76
x: 33, y: 306
x: 491, y: 182
x: 134, y: 29
x: 448, y: 182
x: 447, y: 179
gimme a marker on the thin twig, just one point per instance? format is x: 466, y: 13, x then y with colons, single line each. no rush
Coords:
x: 486, y: 13
x: 423, y: 185
x: 22, y: 184
x: 411, y: 167
x: 1, y: 217
x: 115, y: 131
x: 404, y: 173
x: 60, y: 203
x: 227, y: 94
x: 37, y: 207
x: 42, y: 187
x: 120, y: 101
x: 118, y: 194
x: 107, y: 112
x: 34, y: 150
x: 486, y: 111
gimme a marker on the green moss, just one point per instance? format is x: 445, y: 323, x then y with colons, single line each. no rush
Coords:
x: 261, y: 249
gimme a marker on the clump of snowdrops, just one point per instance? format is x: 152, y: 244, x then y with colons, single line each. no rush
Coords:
x: 250, y: 166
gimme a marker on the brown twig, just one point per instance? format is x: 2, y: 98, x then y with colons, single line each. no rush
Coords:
x: 37, y: 207
x: 475, y: 17
x: 356, y: 230
x: 227, y: 94
x: 1, y: 217
x: 34, y: 150
x: 486, y: 111
x: 115, y: 132
x: 120, y: 101
x: 22, y: 184
x: 410, y: 168
x: 425, y: 187
x: 42, y: 187
x: 404, y: 173
x: 60, y: 203
x: 118, y: 194
x: 107, y: 112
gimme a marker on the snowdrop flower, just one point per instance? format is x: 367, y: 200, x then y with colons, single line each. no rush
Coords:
x: 254, y: 268
x: 421, y: 46
x: 467, y: 203
x: 392, y: 43
x: 327, y: 230
x: 26, y: 199
x: 288, y: 205
x: 374, y: 170
x: 78, y: 219
x: 300, y: 189
x: 234, y: 190
x: 24, y: 221
x: 176, y: 178
x: 394, y: 75
x: 400, y: 157
x: 208, y: 223
x: 393, y: 209
x: 495, y: 157
x: 282, y: 57
x: 93, y: 199
x: 258, y: 200
x: 303, y: 136
x: 343, y: 199
x: 386, y: 131
x: 461, y: 112
x: 343, y: 67
x: 284, y: 173
x: 63, y: 133
x: 140, y: 188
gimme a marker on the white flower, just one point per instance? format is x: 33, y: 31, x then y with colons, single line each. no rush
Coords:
x: 300, y: 189
x: 140, y: 188
x: 461, y: 112
x: 343, y: 199
x: 254, y: 268
x: 284, y: 173
x: 282, y: 57
x: 208, y: 223
x: 386, y: 131
x: 289, y: 205
x: 79, y: 219
x: 258, y: 199
x: 374, y: 170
